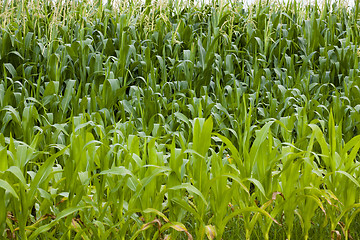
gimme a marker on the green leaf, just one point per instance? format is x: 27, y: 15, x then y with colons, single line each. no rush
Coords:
x: 44, y: 172
x: 117, y: 171
x: 191, y: 189
x: 5, y: 185
x: 349, y: 177
x: 18, y: 174
x: 257, y: 184
x: 11, y: 69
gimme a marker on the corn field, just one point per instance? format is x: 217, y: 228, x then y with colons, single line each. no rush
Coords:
x: 174, y: 120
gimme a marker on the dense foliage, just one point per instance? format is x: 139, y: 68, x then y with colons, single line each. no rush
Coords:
x: 161, y: 120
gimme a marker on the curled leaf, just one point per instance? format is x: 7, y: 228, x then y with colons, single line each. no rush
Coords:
x: 210, y: 232
x: 338, y: 235
x: 147, y: 225
x: 273, y: 197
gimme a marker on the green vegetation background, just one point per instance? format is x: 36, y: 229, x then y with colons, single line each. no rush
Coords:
x: 182, y: 121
